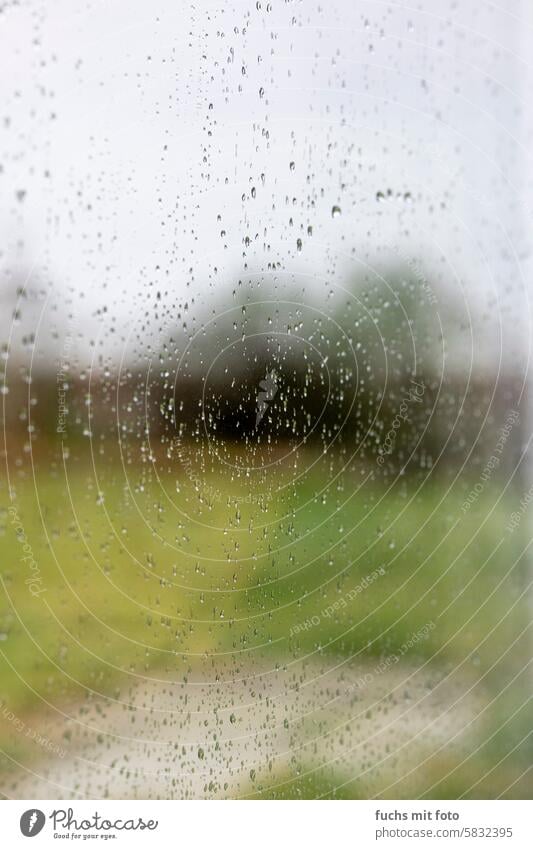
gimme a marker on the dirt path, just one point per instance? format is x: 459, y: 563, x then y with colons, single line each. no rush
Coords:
x: 225, y: 739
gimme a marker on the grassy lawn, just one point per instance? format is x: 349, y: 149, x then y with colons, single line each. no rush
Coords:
x: 150, y: 576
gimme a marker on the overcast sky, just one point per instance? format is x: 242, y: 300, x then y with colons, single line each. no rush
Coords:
x: 152, y: 154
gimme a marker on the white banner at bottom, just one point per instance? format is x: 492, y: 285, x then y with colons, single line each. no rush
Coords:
x: 263, y: 825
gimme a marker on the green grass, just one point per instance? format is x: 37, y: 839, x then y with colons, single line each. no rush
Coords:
x: 154, y: 591
x: 323, y: 784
